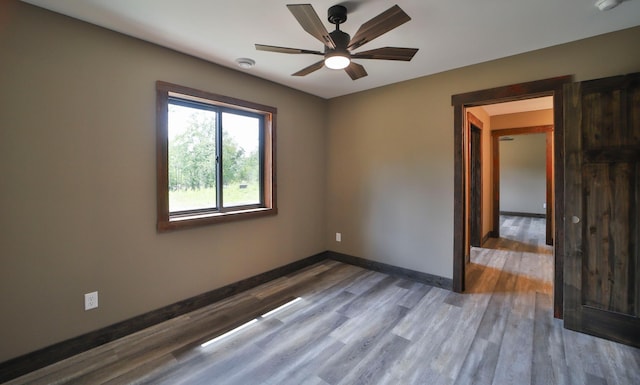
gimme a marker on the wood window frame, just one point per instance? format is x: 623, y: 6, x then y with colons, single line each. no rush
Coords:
x: 268, y: 206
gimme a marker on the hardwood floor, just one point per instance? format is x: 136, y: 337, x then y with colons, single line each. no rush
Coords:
x: 354, y: 326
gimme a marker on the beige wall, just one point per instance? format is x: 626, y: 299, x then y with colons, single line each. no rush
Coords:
x: 522, y: 119
x: 528, y: 200
x: 523, y: 174
x: 77, y: 159
x: 390, y: 150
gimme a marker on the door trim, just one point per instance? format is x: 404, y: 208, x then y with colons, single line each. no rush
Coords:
x: 546, y: 87
x: 476, y: 181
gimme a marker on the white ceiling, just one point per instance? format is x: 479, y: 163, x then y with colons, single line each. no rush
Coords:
x: 449, y: 34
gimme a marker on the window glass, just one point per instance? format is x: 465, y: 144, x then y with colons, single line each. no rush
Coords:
x: 241, y: 159
x: 192, y: 158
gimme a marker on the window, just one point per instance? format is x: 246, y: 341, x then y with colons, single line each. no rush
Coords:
x: 216, y: 158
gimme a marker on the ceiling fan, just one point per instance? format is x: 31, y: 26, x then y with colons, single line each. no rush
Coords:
x: 338, y: 45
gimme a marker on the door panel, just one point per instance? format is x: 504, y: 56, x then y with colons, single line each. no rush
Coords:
x: 602, y: 193
x: 608, y: 239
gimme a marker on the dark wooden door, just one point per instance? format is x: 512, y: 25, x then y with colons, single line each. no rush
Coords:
x: 602, y: 208
x: 475, y: 214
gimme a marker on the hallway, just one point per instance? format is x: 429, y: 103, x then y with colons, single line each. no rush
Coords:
x: 518, y: 337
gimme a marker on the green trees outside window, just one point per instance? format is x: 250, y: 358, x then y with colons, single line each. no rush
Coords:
x: 194, y: 158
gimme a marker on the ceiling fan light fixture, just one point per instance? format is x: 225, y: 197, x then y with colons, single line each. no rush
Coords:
x: 337, y: 60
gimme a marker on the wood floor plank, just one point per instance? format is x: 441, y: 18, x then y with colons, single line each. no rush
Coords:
x: 622, y: 363
x: 365, y: 282
x: 140, y: 373
x: 549, y: 364
x: 450, y: 358
x: 377, y: 361
x: 196, y: 360
x: 66, y: 371
x: 371, y: 332
x: 306, y: 318
x: 415, y: 292
x: 307, y: 365
x: 426, y: 337
x: 314, y: 381
x: 479, y: 365
x: 378, y: 295
x: 288, y: 353
x: 582, y: 359
x: 514, y: 360
x: 424, y: 317
x: 498, y: 308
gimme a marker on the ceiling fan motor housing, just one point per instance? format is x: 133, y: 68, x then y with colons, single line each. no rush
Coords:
x: 341, y: 40
x: 337, y: 14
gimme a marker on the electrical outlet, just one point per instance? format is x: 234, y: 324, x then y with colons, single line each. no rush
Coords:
x: 338, y: 237
x: 91, y: 300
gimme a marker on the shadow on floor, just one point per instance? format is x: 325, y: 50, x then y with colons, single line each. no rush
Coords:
x: 517, y: 245
x: 480, y: 279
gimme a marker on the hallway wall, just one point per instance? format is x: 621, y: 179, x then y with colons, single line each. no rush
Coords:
x: 523, y: 174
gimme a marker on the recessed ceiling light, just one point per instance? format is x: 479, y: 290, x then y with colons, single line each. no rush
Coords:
x: 245, y: 63
x: 605, y: 5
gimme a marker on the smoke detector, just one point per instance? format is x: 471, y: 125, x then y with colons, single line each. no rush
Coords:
x: 245, y: 63
x: 605, y: 5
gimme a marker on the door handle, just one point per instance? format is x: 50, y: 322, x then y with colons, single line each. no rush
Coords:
x: 575, y: 219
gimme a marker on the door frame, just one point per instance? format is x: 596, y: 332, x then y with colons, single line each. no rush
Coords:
x: 475, y: 217
x: 546, y: 87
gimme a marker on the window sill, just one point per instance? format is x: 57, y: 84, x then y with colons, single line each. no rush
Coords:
x: 183, y: 222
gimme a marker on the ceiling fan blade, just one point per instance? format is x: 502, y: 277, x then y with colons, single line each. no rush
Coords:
x: 310, y: 22
x: 312, y: 68
x: 356, y: 71
x: 383, y: 23
x: 273, y: 48
x: 387, y: 53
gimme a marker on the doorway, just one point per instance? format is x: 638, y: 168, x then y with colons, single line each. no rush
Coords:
x: 548, y: 87
x: 509, y: 134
